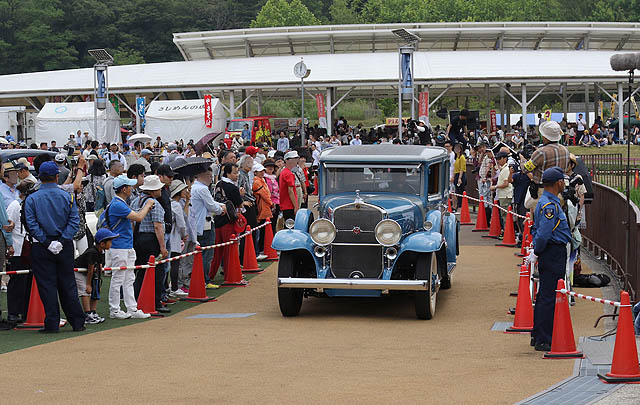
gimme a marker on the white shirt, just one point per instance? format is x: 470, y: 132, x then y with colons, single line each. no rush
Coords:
x: 18, y: 234
x: 581, y: 124
x: 316, y: 157
x: 356, y: 141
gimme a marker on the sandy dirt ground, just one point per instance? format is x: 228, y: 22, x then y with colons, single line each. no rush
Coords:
x: 337, y: 350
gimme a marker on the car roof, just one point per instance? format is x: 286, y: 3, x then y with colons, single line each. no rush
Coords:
x: 383, y: 153
x: 14, y: 154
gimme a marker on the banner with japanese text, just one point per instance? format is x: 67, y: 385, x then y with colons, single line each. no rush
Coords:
x: 493, y: 122
x: 423, y: 106
x: 208, y: 115
x: 322, y: 113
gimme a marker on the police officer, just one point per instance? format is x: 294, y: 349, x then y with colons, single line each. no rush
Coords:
x: 51, y: 217
x: 550, y: 237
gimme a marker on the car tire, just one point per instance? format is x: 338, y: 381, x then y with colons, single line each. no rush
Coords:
x: 425, y: 301
x: 289, y: 299
x: 445, y: 277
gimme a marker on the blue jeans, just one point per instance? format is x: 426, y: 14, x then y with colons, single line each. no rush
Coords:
x: 207, y: 238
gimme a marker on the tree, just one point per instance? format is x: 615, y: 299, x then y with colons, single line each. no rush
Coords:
x: 127, y: 57
x: 281, y: 13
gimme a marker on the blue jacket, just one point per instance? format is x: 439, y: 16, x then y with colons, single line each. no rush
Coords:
x: 4, y: 220
x: 550, y: 223
x: 51, y: 214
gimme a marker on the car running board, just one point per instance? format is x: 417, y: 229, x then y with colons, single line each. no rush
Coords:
x: 353, y: 284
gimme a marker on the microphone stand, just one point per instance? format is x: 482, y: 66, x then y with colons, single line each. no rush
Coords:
x: 628, y: 184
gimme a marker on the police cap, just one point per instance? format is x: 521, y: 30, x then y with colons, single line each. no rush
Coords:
x: 49, y: 168
x: 552, y: 174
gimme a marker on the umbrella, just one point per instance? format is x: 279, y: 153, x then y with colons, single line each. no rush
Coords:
x: 625, y: 121
x: 144, y: 138
x: 201, y: 146
x: 190, y: 166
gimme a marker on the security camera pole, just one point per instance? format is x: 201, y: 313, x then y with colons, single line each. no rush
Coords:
x: 100, y: 84
x: 302, y: 72
x: 405, y: 81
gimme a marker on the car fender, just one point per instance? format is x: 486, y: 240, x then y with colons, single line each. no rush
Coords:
x: 304, y: 218
x: 450, y: 229
x: 435, y: 217
x: 422, y: 242
x: 292, y: 239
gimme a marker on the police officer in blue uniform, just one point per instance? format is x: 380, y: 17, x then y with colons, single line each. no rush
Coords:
x: 51, y: 216
x: 550, y: 237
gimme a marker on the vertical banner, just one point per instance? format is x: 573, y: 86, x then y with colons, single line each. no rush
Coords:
x: 322, y: 113
x: 613, y: 104
x: 140, y: 106
x: 635, y: 107
x: 115, y: 103
x: 493, y: 124
x: 208, y: 117
x: 423, y: 106
x: 101, y: 97
x: 407, y: 77
x: 547, y: 115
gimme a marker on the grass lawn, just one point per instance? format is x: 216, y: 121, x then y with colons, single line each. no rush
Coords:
x: 23, y: 338
x: 610, y: 149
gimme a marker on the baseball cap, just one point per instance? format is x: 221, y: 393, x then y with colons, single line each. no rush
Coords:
x: 49, y: 169
x: 104, y: 234
x: 122, y: 181
x: 146, y: 152
x: 251, y: 150
x: 291, y: 155
x: 552, y: 174
x: 60, y: 157
x: 257, y: 167
x: 9, y: 167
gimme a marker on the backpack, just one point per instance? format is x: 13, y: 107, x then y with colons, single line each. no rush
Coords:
x: 100, y: 199
x: 104, y: 222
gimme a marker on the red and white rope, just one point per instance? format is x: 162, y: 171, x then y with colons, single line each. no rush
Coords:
x: 590, y: 298
x: 488, y: 203
x: 17, y: 272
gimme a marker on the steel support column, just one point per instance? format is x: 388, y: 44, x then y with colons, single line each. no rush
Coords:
x: 565, y: 100
x: 488, y: 98
x: 232, y: 105
x: 524, y: 104
x: 329, y: 108
x: 502, y: 115
x: 621, y: 112
x: 586, y: 104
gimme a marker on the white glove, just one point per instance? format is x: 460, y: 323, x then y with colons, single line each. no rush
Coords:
x: 55, y: 247
x: 532, y: 258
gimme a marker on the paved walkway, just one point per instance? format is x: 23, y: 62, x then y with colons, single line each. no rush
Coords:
x: 337, y: 350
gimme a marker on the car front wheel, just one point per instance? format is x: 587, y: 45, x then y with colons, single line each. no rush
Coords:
x: 290, y: 299
x: 425, y: 301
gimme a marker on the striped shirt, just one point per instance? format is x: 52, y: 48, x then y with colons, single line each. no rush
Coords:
x: 549, y: 155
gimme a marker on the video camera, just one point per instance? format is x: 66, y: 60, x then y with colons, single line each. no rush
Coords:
x: 423, y: 132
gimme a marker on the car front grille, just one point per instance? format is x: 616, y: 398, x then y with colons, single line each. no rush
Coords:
x: 351, y: 255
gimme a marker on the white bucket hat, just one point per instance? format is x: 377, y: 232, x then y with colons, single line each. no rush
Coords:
x: 551, y: 130
x: 151, y: 183
x: 291, y: 155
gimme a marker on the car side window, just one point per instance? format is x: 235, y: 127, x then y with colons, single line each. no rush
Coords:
x: 435, y: 179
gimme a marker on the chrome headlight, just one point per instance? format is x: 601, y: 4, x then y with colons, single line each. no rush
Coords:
x: 428, y: 225
x: 289, y: 223
x: 388, y: 232
x: 322, y: 232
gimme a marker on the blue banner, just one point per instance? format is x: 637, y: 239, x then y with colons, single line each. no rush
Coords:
x: 140, y: 110
x: 101, y: 96
x: 407, y: 75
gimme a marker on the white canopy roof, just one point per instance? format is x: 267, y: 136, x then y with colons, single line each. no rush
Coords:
x: 366, y: 69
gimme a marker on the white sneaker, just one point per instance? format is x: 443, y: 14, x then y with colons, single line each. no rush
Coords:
x: 178, y: 293
x: 261, y: 257
x: 138, y: 315
x: 119, y: 315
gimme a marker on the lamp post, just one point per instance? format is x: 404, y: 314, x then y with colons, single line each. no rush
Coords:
x: 100, y: 83
x: 301, y: 71
x: 405, y: 80
x: 628, y: 183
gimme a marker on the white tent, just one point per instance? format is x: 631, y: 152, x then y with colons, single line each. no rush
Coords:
x: 173, y: 120
x: 57, y: 120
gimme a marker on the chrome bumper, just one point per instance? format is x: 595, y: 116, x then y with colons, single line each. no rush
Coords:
x: 353, y: 283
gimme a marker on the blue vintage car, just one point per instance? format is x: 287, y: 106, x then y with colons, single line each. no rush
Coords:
x: 383, y: 225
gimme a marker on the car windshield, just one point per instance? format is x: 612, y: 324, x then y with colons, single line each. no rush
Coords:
x: 238, y: 125
x: 406, y: 179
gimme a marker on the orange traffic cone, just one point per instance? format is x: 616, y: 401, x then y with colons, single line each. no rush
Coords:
x: 197, y: 288
x: 449, y: 210
x: 523, y: 321
x: 563, y: 343
x: 465, y: 218
x: 272, y: 255
x: 35, y: 314
x: 635, y: 181
x: 496, y: 228
x: 509, y: 237
x: 315, y: 185
x: 232, y: 269
x: 147, y: 296
x: 624, y: 367
x: 250, y: 264
x: 481, y: 220
x: 526, y: 237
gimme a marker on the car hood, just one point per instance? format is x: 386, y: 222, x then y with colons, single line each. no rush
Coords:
x: 406, y: 209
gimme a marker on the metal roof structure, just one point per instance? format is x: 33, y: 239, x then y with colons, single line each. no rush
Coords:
x: 514, y: 59
x: 371, y: 38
